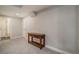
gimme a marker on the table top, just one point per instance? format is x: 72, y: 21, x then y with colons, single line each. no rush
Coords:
x: 32, y: 33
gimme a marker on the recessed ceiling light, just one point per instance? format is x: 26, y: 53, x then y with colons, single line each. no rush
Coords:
x: 17, y: 14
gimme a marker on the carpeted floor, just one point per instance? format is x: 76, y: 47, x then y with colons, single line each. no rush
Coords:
x: 21, y: 46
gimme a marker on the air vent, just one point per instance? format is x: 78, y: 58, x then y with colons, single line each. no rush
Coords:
x: 18, y: 6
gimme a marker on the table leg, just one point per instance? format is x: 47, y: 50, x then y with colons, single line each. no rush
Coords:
x: 32, y: 38
x: 40, y: 42
x: 28, y: 39
x: 44, y: 42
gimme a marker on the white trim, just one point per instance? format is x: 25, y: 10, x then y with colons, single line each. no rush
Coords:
x: 57, y: 50
x: 17, y: 37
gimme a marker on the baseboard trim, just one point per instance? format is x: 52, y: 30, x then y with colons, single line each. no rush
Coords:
x: 17, y: 37
x: 57, y: 50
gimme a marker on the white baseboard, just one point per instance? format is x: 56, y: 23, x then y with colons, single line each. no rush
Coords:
x: 17, y: 37
x: 57, y: 50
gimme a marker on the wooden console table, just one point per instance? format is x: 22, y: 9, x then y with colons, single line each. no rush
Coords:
x: 39, y: 36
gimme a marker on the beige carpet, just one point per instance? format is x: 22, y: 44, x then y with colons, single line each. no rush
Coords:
x: 21, y: 46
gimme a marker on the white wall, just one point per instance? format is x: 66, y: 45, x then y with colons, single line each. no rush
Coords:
x: 59, y: 25
x: 3, y: 27
x: 77, y: 28
x: 15, y: 27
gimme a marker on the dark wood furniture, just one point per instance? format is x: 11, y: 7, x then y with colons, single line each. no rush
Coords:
x: 37, y: 36
x: 5, y: 38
